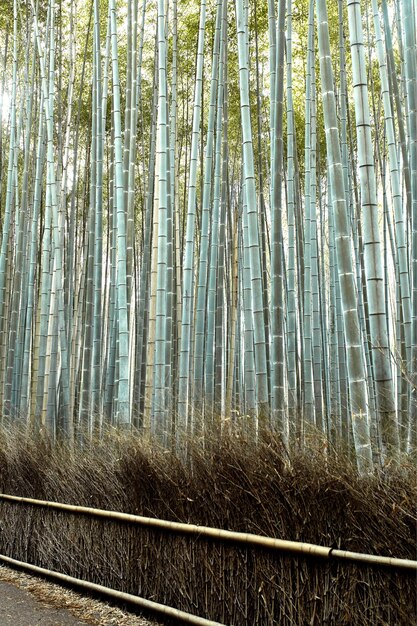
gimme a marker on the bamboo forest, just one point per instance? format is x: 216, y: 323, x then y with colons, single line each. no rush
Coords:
x: 209, y: 216
x: 208, y: 312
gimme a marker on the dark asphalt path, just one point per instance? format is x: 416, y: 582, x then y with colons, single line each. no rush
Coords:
x: 18, y: 607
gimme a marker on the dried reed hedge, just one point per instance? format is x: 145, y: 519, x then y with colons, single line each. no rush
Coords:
x: 231, y: 484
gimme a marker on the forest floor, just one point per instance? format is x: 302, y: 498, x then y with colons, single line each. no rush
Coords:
x: 29, y: 601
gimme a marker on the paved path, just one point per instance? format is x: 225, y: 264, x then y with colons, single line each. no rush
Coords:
x: 18, y: 607
x: 26, y: 600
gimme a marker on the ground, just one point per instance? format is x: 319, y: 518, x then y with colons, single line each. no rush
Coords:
x: 29, y: 601
x: 20, y: 606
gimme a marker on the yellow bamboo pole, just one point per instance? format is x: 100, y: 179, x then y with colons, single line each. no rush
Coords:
x: 155, y: 607
x: 282, y: 545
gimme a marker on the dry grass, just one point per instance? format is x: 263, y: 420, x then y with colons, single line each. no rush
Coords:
x: 230, y: 484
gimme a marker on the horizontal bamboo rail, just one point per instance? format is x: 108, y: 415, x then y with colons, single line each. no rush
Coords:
x: 121, y: 596
x: 295, y: 547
